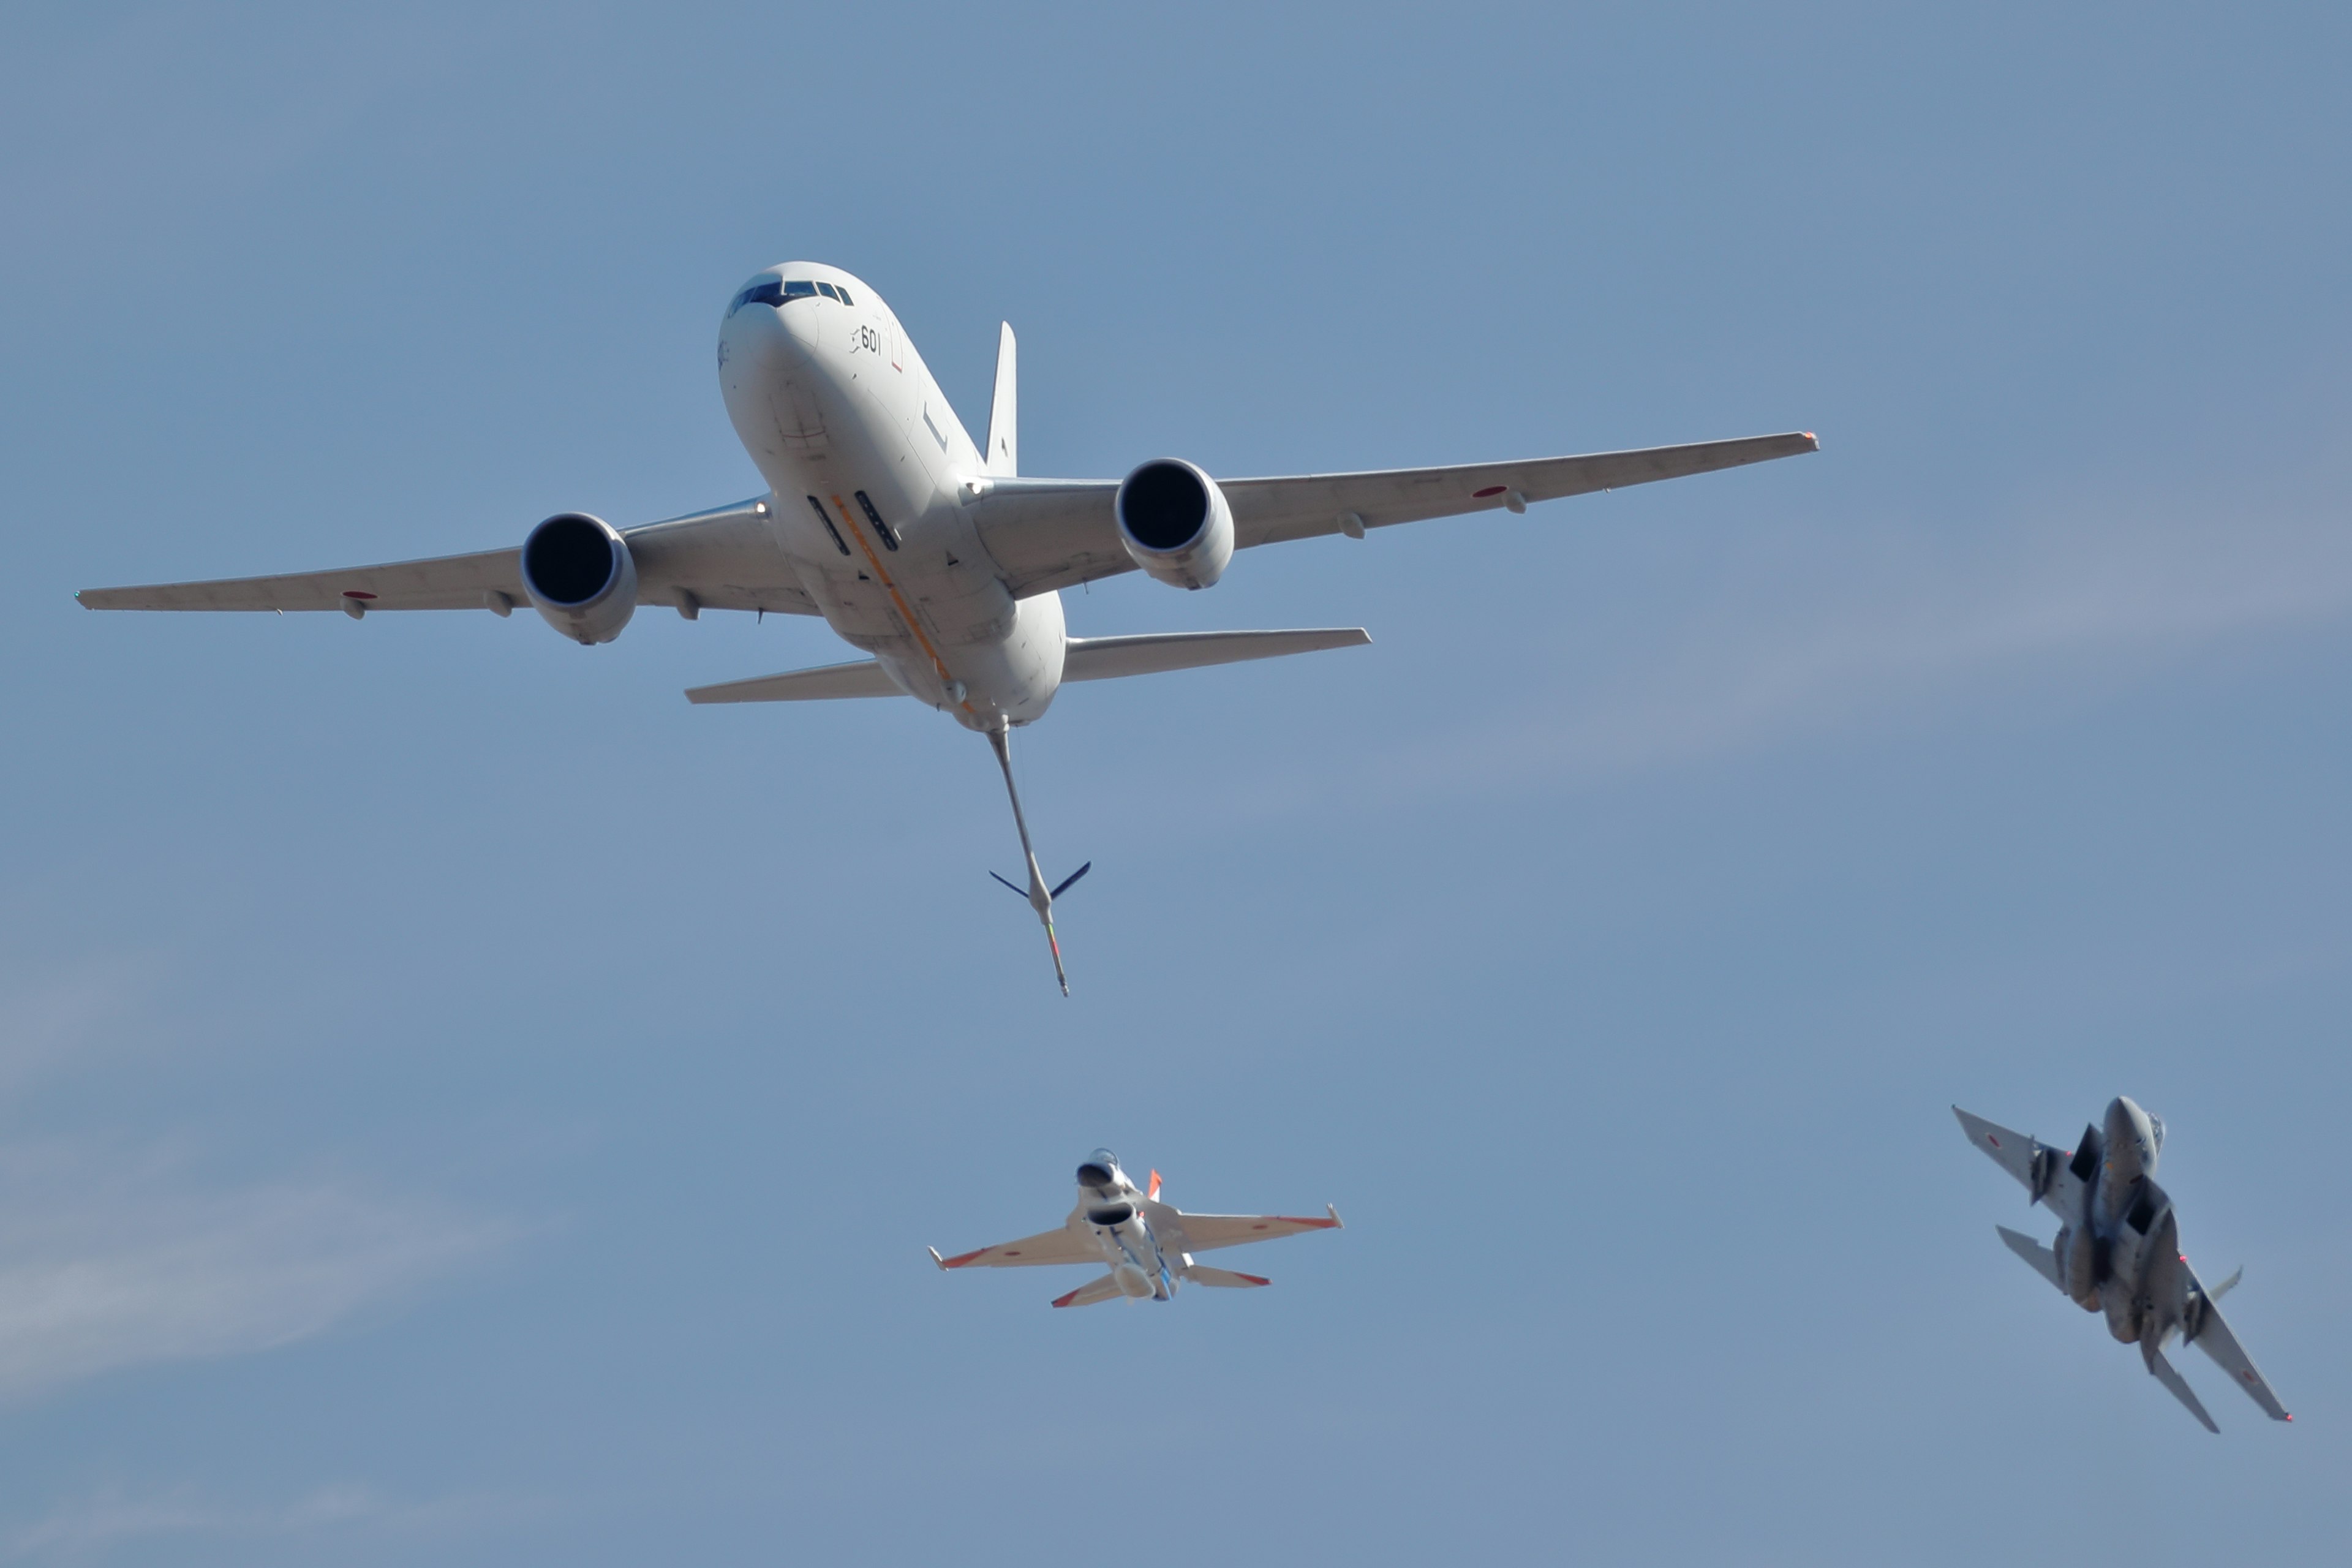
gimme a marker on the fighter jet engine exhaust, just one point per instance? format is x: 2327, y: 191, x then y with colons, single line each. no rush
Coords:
x: 580, y: 576
x: 1175, y: 524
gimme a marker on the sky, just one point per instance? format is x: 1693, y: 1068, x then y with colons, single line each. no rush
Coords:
x: 457, y: 1102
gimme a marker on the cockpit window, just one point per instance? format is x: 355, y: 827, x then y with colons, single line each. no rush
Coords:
x: 843, y: 295
x: 766, y: 292
x: 779, y: 292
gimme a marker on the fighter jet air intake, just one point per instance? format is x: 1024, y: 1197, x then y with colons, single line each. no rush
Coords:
x: 1147, y: 1244
x: 927, y: 552
x: 2119, y: 1247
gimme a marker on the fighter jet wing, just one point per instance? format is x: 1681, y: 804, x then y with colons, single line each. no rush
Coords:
x: 1061, y: 1245
x: 2049, y: 1176
x: 1058, y: 533
x: 1201, y: 1232
x: 2214, y: 1338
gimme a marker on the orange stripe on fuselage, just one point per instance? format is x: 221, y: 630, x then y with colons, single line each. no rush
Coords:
x: 906, y: 611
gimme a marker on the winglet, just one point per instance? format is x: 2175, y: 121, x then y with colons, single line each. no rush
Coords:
x: 1336, y: 1223
x: 935, y: 1256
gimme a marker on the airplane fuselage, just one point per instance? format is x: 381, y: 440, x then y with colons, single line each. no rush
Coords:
x: 866, y: 463
x: 1115, y: 1221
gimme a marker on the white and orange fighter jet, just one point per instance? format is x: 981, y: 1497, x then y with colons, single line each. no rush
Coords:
x: 933, y: 555
x: 1148, y: 1245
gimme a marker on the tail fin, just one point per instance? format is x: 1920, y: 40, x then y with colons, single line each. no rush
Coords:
x: 1154, y: 1193
x: 1003, y: 455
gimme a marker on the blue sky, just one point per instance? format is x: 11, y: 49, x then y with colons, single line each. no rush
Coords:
x: 460, y: 1103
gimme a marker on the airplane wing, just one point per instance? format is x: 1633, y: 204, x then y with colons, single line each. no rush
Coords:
x: 2049, y: 1176
x: 1060, y: 1245
x: 1202, y: 1232
x: 2214, y: 1338
x: 1058, y: 533
x: 724, y: 559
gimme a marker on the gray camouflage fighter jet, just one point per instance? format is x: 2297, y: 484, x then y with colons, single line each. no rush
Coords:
x: 2119, y: 1247
x: 1147, y: 1244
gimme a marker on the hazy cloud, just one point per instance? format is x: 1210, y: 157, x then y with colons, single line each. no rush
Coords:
x: 92, y: 1524
x: 49, y: 1022
x: 106, y: 1265
x: 1813, y: 643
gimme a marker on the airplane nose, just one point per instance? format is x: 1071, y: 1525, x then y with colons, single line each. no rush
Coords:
x: 758, y: 338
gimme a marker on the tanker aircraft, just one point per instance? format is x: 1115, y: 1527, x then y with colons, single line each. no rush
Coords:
x: 2119, y: 1247
x: 931, y: 554
x: 1148, y: 1245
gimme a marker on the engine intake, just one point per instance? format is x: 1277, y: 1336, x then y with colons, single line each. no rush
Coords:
x: 580, y: 577
x: 1175, y: 524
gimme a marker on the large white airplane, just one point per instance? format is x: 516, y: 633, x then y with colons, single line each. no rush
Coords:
x: 919, y: 548
x: 1147, y: 1244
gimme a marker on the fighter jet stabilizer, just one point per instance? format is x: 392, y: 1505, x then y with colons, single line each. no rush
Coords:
x: 1146, y: 1244
x: 2119, y: 1246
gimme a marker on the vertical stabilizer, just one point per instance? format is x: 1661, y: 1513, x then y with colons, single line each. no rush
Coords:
x: 1004, y: 410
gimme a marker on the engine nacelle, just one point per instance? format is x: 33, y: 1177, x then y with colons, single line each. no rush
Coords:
x: 1175, y: 524
x: 580, y: 577
x: 2078, y: 1265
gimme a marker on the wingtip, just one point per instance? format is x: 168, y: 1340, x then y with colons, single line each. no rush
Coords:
x: 935, y: 1256
x: 1336, y: 1223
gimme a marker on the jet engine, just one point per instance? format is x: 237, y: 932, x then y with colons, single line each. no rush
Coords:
x: 1175, y: 524
x: 580, y: 577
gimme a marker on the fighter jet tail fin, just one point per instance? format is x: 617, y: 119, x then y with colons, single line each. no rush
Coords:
x: 2044, y: 1261
x: 1086, y: 1295
x: 2172, y: 1380
x: 1224, y: 1279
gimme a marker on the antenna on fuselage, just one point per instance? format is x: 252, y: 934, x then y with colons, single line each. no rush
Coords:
x: 1041, y: 898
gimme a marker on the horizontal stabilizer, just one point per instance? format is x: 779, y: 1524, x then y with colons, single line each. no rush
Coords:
x: 1086, y: 1295
x: 2044, y: 1261
x: 2172, y: 1380
x: 1108, y: 658
x: 1224, y: 1279
x: 863, y: 679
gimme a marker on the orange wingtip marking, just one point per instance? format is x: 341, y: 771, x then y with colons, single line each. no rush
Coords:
x: 1066, y: 1300
x: 1310, y: 1224
x: 961, y: 1259
x: 1257, y: 1279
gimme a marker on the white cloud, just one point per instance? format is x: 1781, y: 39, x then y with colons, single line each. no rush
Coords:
x: 106, y: 1265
